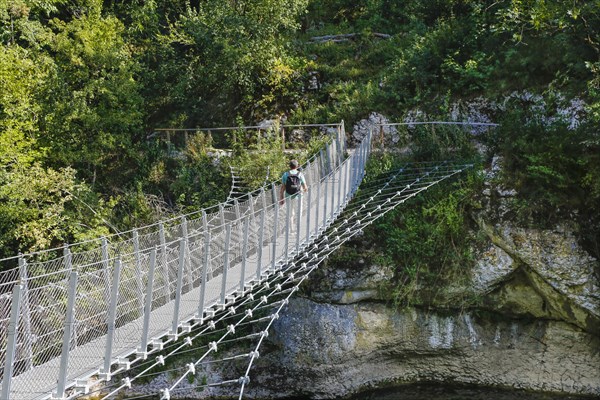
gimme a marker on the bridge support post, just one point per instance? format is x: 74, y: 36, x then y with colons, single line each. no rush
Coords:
x: 340, y: 181
x: 274, y: 193
x: 361, y: 164
x: 204, y: 275
x: 275, y: 233
x: 346, y: 176
x: 165, y: 266
x: 308, y: 208
x: 105, y: 270
x: 143, y: 349
x: 244, y: 253
x: 318, y: 206
x: 206, y: 228
x: 308, y: 211
x: 288, y: 206
x: 357, y: 164
x: 13, y: 327
x: 298, y: 221
x: 175, y: 325
x: 355, y: 158
x: 222, y: 215
x: 333, y: 183
x: 67, y: 334
x: 368, y: 147
x: 322, y: 171
x: 138, y: 270
x: 112, y: 317
x: 26, y: 312
x: 188, y: 265
x: 236, y: 207
x: 251, y: 206
x: 263, y: 198
x: 261, y: 240
x: 325, y: 200
x: 225, y: 263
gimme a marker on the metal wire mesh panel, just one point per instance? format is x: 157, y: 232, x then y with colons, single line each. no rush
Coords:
x: 250, y: 237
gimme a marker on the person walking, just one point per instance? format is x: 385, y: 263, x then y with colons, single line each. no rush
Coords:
x: 292, y: 184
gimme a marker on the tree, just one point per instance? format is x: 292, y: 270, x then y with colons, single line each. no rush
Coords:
x: 228, y: 59
x: 93, y: 114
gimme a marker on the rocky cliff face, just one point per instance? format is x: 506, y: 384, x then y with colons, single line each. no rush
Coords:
x: 536, y: 326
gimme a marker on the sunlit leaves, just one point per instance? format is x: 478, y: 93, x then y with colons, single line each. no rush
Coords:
x: 96, y: 106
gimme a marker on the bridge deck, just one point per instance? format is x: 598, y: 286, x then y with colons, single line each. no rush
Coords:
x: 39, y: 382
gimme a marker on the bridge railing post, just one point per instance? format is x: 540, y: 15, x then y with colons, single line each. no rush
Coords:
x: 364, y: 157
x: 318, y: 206
x: 26, y: 314
x: 340, y: 174
x: 67, y: 334
x: 322, y: 172
x: 164, y: 262
x: 68, y: 258
x: 205, y: 268
x: 251, y: 206
x: 360, y: 165
x: 352, y: 171
x: 111, y: 322
x: 244, y: 254
x: 181, y: 266
x: 142, y: 351
x: 11, y: 345
x: 329, y: 160
x: 225, y: 264
x: 106, y: 269
x: 298, y: 221
x: 333, y: 183
x: 261, y: 240
x: 286, y: 247
x: 308, y: 207
x: 308, y: 212
x: 138, y: 270
x: 188, y: 265
x: 325, y: 184
x: 347, y: 173
x: 222, y: 215
x: 236, y: 207
x: 275, y: 234
x: 368, y: 146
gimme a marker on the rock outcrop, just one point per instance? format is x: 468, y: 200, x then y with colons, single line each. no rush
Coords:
x: 536, y: 327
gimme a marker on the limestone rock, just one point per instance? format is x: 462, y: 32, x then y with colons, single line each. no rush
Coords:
x: 375, y: 123
x: 331, y: 351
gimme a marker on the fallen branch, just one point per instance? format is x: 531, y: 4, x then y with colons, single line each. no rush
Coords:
x: 344, y: 37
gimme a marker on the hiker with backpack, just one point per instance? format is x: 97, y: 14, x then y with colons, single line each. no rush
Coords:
x: 293, y: 182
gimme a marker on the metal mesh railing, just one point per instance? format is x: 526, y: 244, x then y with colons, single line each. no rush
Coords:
x: 94, y: 311
x: 82, y: 313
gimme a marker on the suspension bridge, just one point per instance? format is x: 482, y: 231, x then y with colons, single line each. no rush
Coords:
x: 111, y: 313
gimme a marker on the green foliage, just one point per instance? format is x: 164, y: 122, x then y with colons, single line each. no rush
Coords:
x: 440, y: 142
x: 554, y: 167
x: 199, y: 183
x: 42, y: 208
x: 22, y: 80
x: 83, y: 83
x: 94, y: 109
x: 230, y: 59
x: 542, y: 160
x: 266, y: 155
x: 430, y: 243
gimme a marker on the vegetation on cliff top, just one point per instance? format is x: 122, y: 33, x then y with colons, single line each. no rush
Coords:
x: 84, y: 84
